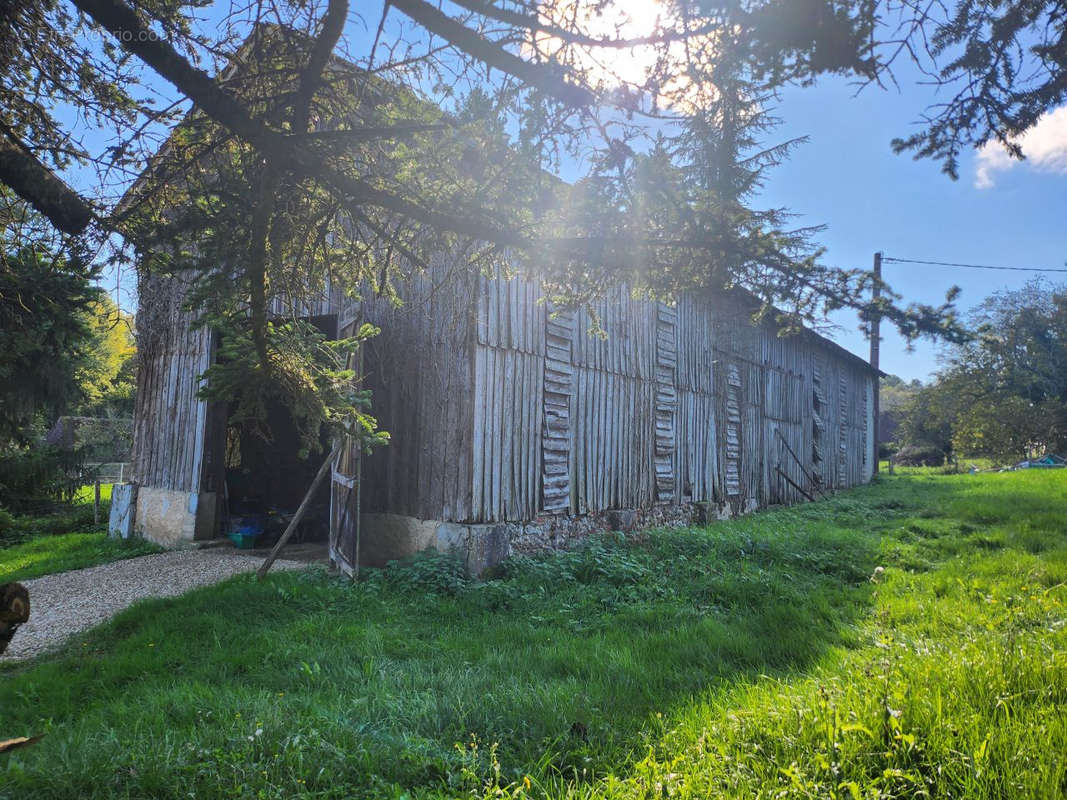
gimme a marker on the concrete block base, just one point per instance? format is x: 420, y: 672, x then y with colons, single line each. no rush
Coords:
x: 391, y: 537
x: 173, y: 518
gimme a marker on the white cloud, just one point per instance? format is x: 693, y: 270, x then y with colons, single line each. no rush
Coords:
x: 1044, y: 145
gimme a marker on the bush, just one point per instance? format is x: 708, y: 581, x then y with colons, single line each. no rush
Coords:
x: 74, y: 519
x: 428, y: 572
x: 920, y: 455
x: 7, y: 524
x: 33, y: 478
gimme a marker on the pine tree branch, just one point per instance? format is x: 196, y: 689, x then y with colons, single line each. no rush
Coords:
x: 231, y: 113
x: 462, y: 37
x: 532, y: 22
x: 40, y: 187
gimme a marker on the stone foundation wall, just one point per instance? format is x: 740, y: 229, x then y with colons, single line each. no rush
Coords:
x: 389, y: 537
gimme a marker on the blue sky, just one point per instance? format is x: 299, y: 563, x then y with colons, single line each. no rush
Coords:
x: 848, y: 178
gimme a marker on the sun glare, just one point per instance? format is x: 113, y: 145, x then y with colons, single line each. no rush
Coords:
x: 619, y: 20
x: 655, y: 70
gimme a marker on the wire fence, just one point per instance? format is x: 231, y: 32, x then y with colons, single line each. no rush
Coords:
x: 108, y: 471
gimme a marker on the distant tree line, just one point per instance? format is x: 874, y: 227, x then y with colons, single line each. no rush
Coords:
x: 1003, y: 394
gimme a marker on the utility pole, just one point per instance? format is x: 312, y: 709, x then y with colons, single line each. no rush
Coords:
x: 876, y: 341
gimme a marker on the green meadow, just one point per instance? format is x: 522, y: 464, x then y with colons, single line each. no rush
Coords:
x: 903, y: 639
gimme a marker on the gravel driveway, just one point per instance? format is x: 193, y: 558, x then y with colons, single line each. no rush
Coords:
x: 71, y: 602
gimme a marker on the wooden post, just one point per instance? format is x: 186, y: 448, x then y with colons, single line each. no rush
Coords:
x: 810, y: 476
x: 299, y: 515
x: 96, y: 502
x: 876, y: 340
x: 794, y: 484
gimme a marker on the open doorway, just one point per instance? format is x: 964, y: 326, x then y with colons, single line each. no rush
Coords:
x: 266, y: 479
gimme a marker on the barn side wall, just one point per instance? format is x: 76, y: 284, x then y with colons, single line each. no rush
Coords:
x: 634, y: 404
x: 172, y: 452
x: 527, y: 425
x: 632, y: 412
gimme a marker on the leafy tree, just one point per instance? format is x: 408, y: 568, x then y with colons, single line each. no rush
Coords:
x: 926, y: 422
x: 895, y: 396
x: 1011, y: 381
x: 106, y: 375
x: 1004, y: 393
x: 46, y: 304
x: 323, y: 167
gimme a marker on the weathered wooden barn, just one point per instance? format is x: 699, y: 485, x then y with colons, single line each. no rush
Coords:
x: 516, y: 425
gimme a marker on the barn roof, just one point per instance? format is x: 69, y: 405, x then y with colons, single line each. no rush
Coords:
x: 380, y: 86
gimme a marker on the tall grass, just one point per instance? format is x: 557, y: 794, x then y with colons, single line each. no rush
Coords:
x: 765, y: 657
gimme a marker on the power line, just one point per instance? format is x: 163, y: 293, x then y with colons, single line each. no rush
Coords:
x: 969, y: 266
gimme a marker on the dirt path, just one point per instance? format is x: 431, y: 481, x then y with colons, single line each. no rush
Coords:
x: 71, y: 602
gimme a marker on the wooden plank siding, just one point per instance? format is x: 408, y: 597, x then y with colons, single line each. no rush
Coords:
x: 633, y: 403
x: 616, y: 434
x: 170, y: 420
x: 420, y: 371
x: 502, y: 407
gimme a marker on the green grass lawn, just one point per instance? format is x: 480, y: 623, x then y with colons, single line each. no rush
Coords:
x: 756, y: 658
x: 65, y: 539
x: 87, y: 493
x: 45, y: 554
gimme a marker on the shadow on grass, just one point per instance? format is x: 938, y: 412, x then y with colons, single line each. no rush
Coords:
x: 408, y: 678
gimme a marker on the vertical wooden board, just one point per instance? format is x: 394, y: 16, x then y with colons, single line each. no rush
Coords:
x: 620, y: 412
x: 534, y: 399
x: 172, y: 442
x: 579, y: 443
x: 619, y: 490
x: 487, y: 438
x: 536, y: 470
x: 481, y: 305
x: 625, y: 497
x: 464, y: 356
x: 596, y: 434
x: 596, y: 449
x: 495, y: 458
x: 588, y: 440
x: 509, y: 306
x: 493, y: 312
x: 842, y: 438
x: 522, y: 426
x: 523, y: 466
x: 680, y: 456
x: 455, y: 395
x: 610, y: 435
x: 769, y: 461
x: 518, y: 430
x: 478, y: 435
x: 506, y: 406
